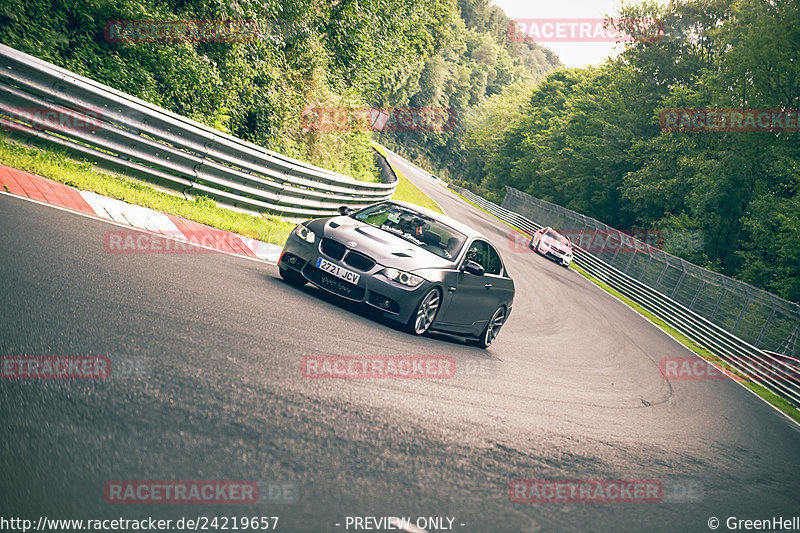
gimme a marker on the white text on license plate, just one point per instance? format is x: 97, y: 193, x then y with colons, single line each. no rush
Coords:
x: 338, y: 271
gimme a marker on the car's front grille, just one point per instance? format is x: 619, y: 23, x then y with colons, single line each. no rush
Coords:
x: 332, y: 248
x: 339, y: 252
x: 359, y: 261
x: 333, y: 284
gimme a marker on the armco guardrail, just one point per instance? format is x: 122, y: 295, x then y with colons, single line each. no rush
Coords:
x: 766, y: 321
x: 778, y: 373
x: 125, y: 134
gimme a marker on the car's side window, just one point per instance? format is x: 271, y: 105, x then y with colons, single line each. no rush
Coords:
x: 485, y: 255
x: 493, y: 263
x: 477, y: 252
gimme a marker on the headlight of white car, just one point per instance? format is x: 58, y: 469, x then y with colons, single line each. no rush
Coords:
x: 304, y: 233
x: 406, y: 278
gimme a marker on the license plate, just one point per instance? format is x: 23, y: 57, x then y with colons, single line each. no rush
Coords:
x: 339, y: 272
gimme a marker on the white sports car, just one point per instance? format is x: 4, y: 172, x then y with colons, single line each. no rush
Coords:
x: 551, y: 244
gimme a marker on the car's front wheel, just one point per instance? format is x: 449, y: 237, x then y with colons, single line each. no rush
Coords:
x: 492, y: 329
x: 291, y: 277
x: 425, y: 313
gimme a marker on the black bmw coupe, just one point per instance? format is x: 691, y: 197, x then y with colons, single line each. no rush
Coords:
x: 421, y: 268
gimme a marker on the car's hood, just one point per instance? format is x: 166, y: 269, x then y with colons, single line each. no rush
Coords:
x: 384, y: 247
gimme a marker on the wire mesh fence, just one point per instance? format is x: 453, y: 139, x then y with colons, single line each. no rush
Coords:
x: 756, y: 316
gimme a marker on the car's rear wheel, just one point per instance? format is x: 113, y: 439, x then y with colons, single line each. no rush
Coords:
x: 425, y: 313
x: 291, y: 277
x: 492, y: 329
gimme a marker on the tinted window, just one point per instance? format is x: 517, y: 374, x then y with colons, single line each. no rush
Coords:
x: 477, y: 253
x: 495, y: 265
x: 484, y: 254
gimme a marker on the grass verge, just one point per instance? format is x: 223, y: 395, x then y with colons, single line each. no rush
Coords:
x: 780, y: 403
x: 407, y: 191
x: 57, y: 166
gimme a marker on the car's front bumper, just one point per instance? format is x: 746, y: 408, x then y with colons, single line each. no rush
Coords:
x: 557, y: 256
x: 393, y: 299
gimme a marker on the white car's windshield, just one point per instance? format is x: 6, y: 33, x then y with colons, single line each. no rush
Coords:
x: 558, y: 238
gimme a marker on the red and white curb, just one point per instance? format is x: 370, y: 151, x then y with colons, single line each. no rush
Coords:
x: 46, y: 191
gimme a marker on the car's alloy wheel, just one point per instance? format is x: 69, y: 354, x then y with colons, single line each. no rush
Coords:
x: 292, y: 277
x: 492, y: 328
x: 425, y: 313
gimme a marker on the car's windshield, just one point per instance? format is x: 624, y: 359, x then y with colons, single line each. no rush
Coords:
x: 558, y: 238
x: 414, y: 227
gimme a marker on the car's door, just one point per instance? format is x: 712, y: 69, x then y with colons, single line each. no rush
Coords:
x: 502, y: 290
x: 474, y: 298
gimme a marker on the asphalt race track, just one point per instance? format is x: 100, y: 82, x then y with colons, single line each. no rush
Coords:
x: 208, y: 386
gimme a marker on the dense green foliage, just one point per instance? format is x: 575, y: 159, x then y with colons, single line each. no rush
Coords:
x: 327, y: 53
x: 479, y: 74
x: 590, y: 139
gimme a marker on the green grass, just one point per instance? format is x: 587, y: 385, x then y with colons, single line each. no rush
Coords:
x: 58, y: 167
x: 781, y: 403
x: 407, y: 191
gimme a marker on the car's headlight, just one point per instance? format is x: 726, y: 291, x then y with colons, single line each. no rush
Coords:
x: 304, y: 233
x: 406, y: 278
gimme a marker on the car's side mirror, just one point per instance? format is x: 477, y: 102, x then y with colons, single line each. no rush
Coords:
x: 344, y: 210
x: 471, y: 267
